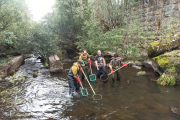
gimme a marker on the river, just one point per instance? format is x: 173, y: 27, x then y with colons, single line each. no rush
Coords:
x: 131, y: 98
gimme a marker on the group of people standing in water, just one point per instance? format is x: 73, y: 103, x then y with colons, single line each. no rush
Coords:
x: 84, y: 63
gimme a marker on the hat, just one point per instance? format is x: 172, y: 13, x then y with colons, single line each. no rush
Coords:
x: 81, y: 62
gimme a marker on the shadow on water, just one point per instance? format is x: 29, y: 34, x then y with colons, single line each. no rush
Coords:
x: 131, y: 98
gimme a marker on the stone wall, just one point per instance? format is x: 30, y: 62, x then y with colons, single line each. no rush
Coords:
x: 158, y: 11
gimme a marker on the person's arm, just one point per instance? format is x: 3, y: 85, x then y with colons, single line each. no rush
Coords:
x: 110, y: 66
x: 96, y: 65
x: 80, y: 58
x: 88, y: 56
x: 104, y: 62
x: 75, y: 70
x: 75, y: 76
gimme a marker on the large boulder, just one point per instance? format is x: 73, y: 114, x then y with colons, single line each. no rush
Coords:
x: 149, y: 63
x: 159, y: 47
x: 170, y: 63
x: 55, y: 63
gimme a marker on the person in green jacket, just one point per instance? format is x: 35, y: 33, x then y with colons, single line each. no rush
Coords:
x: 73, y: 79
x: 86, y: 58
x: 116, y: 63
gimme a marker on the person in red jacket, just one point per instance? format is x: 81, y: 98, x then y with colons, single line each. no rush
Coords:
x: 116, y: 63
x: 73, y: 79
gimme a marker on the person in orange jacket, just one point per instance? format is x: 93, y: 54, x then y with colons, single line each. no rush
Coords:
x: 116, y: 63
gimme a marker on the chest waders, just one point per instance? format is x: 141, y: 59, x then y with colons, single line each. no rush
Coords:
x: 116, y: 65
x: 73, y: 82
x: 86, y: 67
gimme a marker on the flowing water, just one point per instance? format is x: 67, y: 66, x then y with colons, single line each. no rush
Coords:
x: 133, y: 98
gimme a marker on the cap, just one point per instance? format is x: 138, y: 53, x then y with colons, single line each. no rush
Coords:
x: 81, y: 62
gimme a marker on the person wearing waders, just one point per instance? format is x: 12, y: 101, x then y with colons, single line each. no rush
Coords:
x: 100, y: 63
x: 86, y: 58
x: 115, y: 63
x: 73, y: 79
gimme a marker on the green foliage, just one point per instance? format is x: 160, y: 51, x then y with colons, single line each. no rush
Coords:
x: 3, y: 61
x: 15, y: 23
x: 44, y: 42
x: 123, y: 34
x: 46, y: 64
x: 169, y: 29
x: 66, y: 22
x: 7, y: 37
x: 166, y: 79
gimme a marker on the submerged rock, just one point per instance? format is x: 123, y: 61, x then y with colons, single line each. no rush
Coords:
x: 137, y: 67
x: 35, y: 74
x: 175, y: 110
x: 141, y: 73
x: 149, y: 63
x: 159, y: 47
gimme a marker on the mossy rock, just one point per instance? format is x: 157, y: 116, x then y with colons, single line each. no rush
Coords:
x: 35, y: 74
x: 160, y: 47
x: 170, y: 64
x: 141, y: 73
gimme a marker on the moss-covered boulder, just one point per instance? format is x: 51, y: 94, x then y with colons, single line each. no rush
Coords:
x: 159, y: 47
x: 170, y: 63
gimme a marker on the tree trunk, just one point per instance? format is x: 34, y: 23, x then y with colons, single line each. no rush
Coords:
x: 82, y: 9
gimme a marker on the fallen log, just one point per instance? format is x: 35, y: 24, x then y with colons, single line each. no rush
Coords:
x: 10, y: 67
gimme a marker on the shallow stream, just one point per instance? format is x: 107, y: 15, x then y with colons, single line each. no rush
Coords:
x: 132, y: 98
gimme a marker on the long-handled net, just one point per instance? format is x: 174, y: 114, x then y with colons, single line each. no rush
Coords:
x: 95, y: 96
x: 83, y: 91
x: 104, y: 77
x: 92, y: 76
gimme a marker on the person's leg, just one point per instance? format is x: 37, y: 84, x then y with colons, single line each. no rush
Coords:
x: 76, y: 84
x: 118, y: 75
x: 71, y: 85
x: 113, y: 77
x: 82, y: 75
x: 103, y: 68
x: 88, y: 71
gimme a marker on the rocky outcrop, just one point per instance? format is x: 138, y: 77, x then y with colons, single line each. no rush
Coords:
x: 159, y: 47
x: 149, y: 63
x: 55, y: 63
x: 165, y: 59
x: 170, y: 63
x: 109, y: 54
x: 10, y: 67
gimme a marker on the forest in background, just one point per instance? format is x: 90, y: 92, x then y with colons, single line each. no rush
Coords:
x: 108, y: 25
